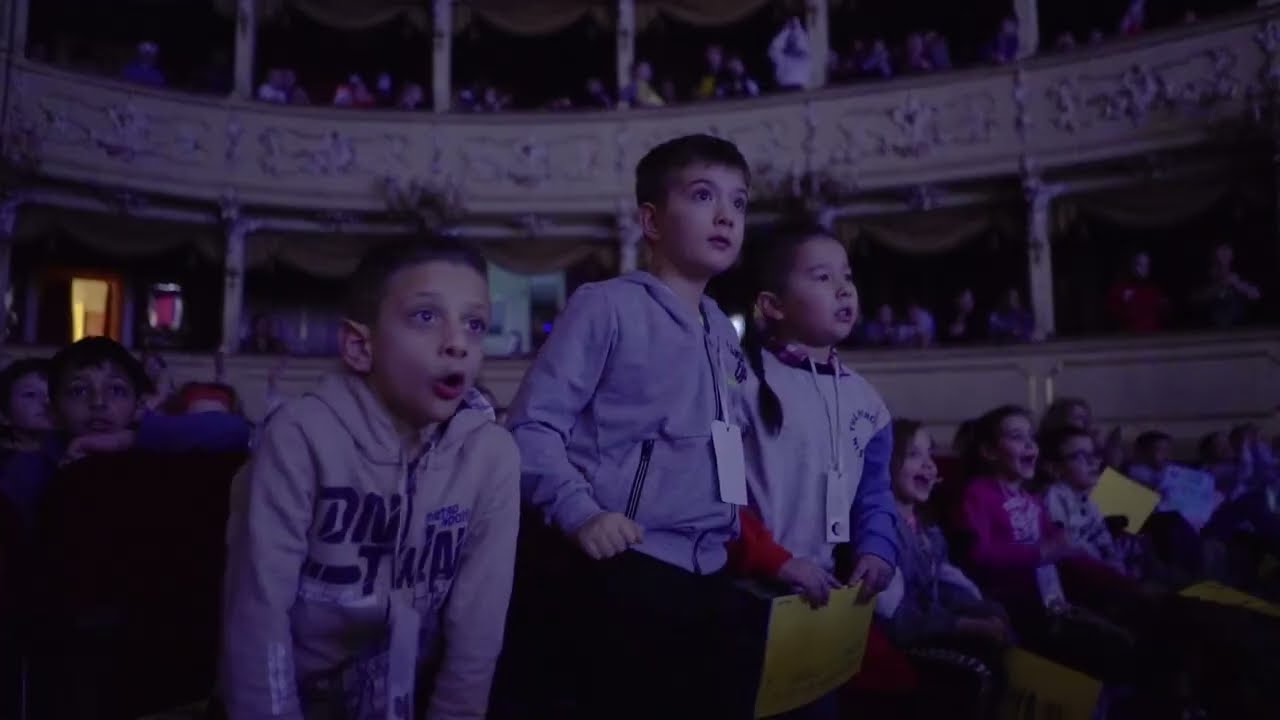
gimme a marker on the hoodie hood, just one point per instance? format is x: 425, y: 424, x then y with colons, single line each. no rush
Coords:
x: 664, y: 296
x: 359, y: 411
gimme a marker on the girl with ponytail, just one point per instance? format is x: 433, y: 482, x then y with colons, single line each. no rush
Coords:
x: 819, y: 441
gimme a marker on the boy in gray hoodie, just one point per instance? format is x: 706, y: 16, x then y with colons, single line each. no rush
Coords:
x: 628, y: 449
x: 372, y: 534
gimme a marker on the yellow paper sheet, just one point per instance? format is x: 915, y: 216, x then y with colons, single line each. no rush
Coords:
x: 1222, y: 595
x: 1117, y: 494
x: 811, y: 652
x: 1040, y: 689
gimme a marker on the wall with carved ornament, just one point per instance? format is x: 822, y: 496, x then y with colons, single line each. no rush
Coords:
x: 1187, y: 385
x: 1165, y: 90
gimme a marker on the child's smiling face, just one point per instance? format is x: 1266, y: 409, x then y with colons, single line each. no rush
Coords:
x: 1014, y: 454
x: 916, y: 477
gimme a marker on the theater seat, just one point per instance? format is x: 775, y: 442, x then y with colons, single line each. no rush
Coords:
x: 131, y: 549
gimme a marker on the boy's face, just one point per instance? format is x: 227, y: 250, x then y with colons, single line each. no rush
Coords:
x: 1158, y: 454
x: 819, y: 305
x: 96, y: 399
x: 426, y: 348
x: 698, y: 228
x: 1080, y: 463
x: 28, y: 409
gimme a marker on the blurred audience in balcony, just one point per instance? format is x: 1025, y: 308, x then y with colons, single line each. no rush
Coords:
x: 1135, y: 303
x: 789, y: 52
x: 736, y: 83
x: 1011, y: 321
x: 712, y: 72
x: 937, y: 50
x: 354, y: 93
x: 1004, y: 48
x: 264, y: 337
x: 595, y: 96
x: 915, y: 57
x: 144, y: 68
x: 640, y: 93
x: 1227, y: 298
x: 1134, y: 19
x: 412, y: 97
x: 964, y: 327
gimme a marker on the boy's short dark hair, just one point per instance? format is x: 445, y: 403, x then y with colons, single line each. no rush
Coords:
x: 15, y: 371
x: 1051, y: 442
x: 95, y: 352
x: 367, y: 286
x: 1148, y: 439
x: 654, y: 170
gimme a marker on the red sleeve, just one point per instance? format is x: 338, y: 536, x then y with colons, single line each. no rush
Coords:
x: 754, y: 551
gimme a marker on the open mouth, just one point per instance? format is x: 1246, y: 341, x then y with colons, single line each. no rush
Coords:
x: 101, y: 425
x: 844, y: 315
x: 450, y: 387
x: 720, y: 242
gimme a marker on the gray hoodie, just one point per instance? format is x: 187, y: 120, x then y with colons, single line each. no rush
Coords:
x: 316, y: 614
x: 615, y: 415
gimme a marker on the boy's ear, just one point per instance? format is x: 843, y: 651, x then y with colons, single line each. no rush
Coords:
x: 355, y: 346
x: 769, y: 306
x: 649, y: 221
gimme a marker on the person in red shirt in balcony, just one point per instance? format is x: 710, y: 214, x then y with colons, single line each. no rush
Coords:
x: 1135, y: 304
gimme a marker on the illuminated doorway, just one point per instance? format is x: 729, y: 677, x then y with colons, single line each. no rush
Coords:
x: 89, y: 303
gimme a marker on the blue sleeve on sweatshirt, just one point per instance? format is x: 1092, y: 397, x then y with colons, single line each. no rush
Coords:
x: 559, y: 384
x: 872, y: 514
x: 208, y: 432
x: 23, y: 479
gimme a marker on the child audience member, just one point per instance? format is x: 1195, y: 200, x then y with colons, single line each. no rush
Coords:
x: 929, y: 600
x: 818, y: 439
x: 97, y: 389
x: 24, y: 391
x: 1073, y: 466
x: 372, y: 534
x: 931, y: 608
x: 627, y: 447
x: 1016, y: 554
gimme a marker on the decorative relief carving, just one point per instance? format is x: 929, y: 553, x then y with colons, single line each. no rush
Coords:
x: 123, y: 130
x: 285, y: 152
x: 915, y: 127
x: 1189, y: 83
x: 530, y: 162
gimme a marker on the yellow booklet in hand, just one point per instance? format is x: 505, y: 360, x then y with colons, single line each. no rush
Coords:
x: 1118, y: 494
x: 811, y: 651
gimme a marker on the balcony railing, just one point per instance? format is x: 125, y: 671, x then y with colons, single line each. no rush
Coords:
x: 1163, y: 91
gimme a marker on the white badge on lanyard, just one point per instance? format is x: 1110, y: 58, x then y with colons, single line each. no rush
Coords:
x: 726, y: 440
x: 838, y: 500
x: 1050, y: 585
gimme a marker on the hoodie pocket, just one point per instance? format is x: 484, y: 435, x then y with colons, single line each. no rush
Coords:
x: 637, y: 482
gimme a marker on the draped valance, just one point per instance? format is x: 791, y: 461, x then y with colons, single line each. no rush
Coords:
x: 518, y: 17
x: 323, y: 255
x: 931, y: 232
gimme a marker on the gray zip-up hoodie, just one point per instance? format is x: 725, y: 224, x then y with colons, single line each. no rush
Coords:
x: 355, y: 558
x: 615, y: 415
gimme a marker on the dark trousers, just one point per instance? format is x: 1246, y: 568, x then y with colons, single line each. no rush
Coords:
x: 628, y: 637
x: 664, y: 642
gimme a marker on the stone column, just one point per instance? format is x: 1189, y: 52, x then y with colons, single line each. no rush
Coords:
x: 1039, y: 198
x: 237, y: 230
x: 246, y: 40
x: 8, y: 223
x: 625, y: 38
x: 818, y: 28
x: 629, y: 237
x: 441, y: 55
x: 13, y: 27
x: 1027, y: 13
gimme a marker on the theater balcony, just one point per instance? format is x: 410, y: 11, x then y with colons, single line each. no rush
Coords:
x: 238, y: 187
